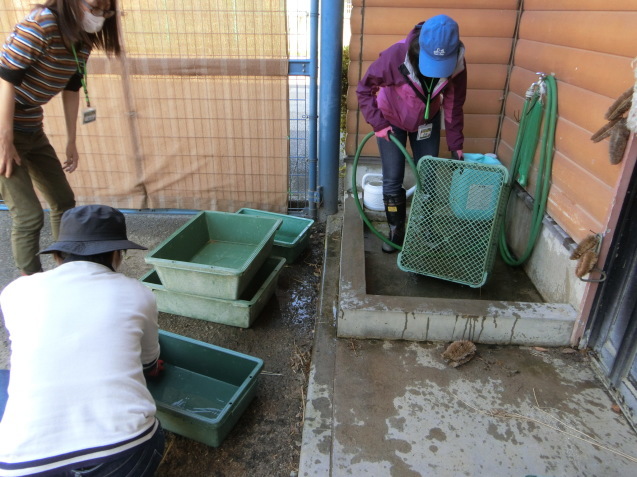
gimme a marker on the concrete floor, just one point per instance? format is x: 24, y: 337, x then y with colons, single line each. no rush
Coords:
x: 504, y: 283
x: 396, y: 408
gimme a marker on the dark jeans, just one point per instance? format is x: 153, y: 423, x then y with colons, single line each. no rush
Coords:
x: 141, y: 462
x: 393, y: 160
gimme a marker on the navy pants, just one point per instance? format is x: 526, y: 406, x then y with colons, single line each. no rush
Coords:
x: 141, y: 462
x: 393, y: 160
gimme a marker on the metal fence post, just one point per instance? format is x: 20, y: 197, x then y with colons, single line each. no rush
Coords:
x: 331, y: 57
x: 312, y: 159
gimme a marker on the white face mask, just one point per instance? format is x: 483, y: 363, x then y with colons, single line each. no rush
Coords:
x: 91, y: 23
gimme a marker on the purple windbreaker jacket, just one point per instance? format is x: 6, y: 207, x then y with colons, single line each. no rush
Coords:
x: 385, y: 98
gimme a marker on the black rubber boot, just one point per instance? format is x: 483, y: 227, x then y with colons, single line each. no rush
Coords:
x: 396, y: 211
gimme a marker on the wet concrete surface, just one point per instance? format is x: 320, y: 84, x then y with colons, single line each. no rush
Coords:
x: 400, y: 410
x: 504, y: 283
x: 397, y: 408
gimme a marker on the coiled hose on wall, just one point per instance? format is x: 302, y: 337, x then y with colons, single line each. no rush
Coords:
x: 543, y: 91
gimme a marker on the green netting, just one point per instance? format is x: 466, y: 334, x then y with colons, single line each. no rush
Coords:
x: 453, y: 222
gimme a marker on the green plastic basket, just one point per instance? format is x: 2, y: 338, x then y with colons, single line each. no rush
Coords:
x: 241, y: 312
x: 215, y: 254
x: 453, y: 222
x: 204, y: 388
x: 293, y: 236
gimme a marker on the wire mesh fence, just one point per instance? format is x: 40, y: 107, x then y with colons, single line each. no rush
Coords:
x: 298, y: 30
x: 196, y: 114
x: 299, y: 145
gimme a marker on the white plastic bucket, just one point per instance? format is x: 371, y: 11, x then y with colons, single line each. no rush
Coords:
x: 373, y: 191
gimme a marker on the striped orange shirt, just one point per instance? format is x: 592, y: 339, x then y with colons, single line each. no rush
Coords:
x: 35, y: 59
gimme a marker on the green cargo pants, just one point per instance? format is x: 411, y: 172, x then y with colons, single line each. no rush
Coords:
x: 40, y: 168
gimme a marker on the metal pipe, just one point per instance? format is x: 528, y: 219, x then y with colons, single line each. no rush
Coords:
x: 331, y: 58
x: 313, y: 110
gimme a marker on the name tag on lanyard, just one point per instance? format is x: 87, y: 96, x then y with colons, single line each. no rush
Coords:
x: 89, y: 115
x: 424, y: 131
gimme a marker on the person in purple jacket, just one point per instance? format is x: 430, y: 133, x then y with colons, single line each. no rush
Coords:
x: 403, y: 92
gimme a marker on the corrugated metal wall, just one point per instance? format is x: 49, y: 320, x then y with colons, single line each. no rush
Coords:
x: 589, y: 47
x: 487, y: 30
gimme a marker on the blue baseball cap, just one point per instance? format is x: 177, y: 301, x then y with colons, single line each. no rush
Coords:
x: 439, y: 41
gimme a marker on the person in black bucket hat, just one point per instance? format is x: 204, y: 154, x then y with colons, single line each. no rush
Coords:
x: 84, y: 338
x: 89, y: 231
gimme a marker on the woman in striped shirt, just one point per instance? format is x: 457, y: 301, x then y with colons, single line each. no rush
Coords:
x: 45, y: 54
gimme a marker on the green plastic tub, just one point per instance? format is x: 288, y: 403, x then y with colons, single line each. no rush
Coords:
x: 292, y: 238
x: 241, y: 312
x: 215, y: 254
x: 204, y: 389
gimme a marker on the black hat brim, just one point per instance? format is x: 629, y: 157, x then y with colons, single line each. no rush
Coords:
x: 91, y: 248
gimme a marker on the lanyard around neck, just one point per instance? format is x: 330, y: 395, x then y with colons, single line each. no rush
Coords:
x: 81, y: 68
x: 429, y: 87
x: 405, y: 72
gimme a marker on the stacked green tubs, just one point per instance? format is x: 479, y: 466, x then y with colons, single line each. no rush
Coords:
x: 215, y: 254
x: 204, y: 389
x: 292, y: 238
x: 240, y: 313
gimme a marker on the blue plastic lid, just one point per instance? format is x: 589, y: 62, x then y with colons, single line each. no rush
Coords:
x: 480, y: 158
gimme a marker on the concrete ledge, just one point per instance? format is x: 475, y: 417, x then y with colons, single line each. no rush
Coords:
x: 317, y: 443
x: 438, y: 319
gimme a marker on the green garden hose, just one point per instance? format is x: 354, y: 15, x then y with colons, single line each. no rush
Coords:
x: 355, y: 188
x: 544, y: 90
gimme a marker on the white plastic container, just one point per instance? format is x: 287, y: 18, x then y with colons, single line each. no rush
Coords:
x: 373, y: 191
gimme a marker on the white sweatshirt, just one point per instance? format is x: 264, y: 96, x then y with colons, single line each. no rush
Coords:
x: 79, y: 335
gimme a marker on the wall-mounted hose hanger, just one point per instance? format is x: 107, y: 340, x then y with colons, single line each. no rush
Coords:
x: 540, y: 109
x: 616, y: 126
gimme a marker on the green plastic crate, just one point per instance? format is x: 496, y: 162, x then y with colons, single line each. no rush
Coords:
x: 215, y: 254
x: 292, y: 238
x: 204, y: 388
x: 241, y: 312
x: 454, y: 219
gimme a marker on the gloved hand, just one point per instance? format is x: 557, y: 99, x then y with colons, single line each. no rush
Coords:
x: 383, y: 133
x: 457, y: 155
x: 155, y: 370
